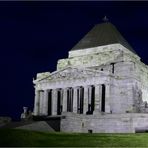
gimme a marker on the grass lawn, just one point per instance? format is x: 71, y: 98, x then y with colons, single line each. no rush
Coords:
x: 13, y: 137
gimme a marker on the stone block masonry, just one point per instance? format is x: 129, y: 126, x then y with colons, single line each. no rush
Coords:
x: 107, y: 123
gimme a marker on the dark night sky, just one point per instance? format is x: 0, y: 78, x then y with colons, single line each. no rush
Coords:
x: 34, y: 35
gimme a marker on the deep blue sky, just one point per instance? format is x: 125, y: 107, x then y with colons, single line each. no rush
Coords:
x: 34, y: 35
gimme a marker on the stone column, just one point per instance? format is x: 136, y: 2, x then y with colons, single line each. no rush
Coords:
x: 65, y: 100
x: 86, y: 97
x: 41, y: 102
x: 97, y: 99
x: 54, y: 102
x: 107, y: 97
x: 36, y: 103
x: 75, y: 99
x: 45, y: 103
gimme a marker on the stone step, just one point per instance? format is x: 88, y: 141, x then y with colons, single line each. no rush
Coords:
x: 37, y: 126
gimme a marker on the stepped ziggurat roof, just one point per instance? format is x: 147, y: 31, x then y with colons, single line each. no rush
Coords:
x: 102, y: 34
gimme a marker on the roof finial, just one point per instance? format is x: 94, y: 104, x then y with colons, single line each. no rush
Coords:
x: 105, y: 19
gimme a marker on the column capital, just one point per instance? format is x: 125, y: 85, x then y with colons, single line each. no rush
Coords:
x: 66, y: 88
x: 36, y: 91
x: 46, y: 90
x: 54, y: 90
x: 97, y: 85
x: 87, y: 86
x: 41, y: 90
x: 76, y: 87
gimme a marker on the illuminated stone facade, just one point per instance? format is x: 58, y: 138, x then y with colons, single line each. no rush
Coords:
x: 100, y: 81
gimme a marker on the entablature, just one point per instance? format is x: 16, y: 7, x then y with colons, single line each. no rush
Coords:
x: 74, y: 76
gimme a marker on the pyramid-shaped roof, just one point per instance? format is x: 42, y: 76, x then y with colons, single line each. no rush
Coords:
x: 102, y: 34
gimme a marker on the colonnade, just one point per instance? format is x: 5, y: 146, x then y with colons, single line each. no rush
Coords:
x: 81, y: 100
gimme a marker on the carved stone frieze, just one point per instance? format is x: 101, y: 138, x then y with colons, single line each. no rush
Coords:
x: 74, y: 73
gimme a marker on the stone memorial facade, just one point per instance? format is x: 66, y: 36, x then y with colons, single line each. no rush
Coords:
x: 101, y: 87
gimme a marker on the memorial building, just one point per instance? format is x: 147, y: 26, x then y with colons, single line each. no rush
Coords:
x: 102, y: 86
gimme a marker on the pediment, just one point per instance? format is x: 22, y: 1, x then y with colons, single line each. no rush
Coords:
x: 71, y: 73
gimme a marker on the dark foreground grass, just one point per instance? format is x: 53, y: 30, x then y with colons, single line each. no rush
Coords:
x: 13, y: 137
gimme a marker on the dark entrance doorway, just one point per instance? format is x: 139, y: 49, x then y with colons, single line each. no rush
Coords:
x: 49, y: 102
x: 92, y: 100
x: 70, y: 100
x: 91, y: 104
x: 80, y: 100
x: 103, y: 99
x: 59, y: 102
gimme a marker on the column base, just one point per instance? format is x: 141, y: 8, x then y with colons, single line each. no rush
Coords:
x: 96, y: 112
x: 107, y: 109
x: 44, y: 114
x: 63, y: 113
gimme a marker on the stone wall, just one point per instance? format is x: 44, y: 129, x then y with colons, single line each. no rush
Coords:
x: 140, y: 73
x: 108, y: 123
x: 92, y: 57
x: 121, y: 98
